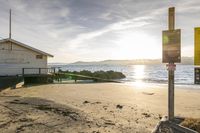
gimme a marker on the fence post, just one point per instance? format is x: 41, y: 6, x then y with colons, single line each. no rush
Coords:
x: 39, y: 70
x: 23, y: 71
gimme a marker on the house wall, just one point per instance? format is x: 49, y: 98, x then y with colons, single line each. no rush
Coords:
x: 14, y: 57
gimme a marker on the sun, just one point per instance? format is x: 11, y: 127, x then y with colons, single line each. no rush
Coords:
x: 138, y: 45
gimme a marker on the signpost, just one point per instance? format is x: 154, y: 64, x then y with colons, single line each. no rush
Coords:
x: 171, y: 55
x: 197, y: 75
x: 197, y: 55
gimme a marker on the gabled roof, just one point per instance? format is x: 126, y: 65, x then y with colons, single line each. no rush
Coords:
x: 25, y: 46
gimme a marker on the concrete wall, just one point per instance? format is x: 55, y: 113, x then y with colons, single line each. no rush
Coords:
x: 14, y: 57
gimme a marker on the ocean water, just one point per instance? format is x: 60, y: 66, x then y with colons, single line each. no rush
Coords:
x: 184, y: 74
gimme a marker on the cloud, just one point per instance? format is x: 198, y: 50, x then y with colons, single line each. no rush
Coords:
x: 115, y: 27
x: 77, y: 30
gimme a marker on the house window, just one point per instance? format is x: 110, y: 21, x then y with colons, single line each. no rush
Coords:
x: 39, y: 56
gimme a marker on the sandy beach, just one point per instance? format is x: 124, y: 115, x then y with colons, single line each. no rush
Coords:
x: 92, y: 108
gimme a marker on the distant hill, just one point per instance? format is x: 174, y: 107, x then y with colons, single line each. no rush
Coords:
x: 118, y: 62
x: 57, y: 64
x: 185, y: 61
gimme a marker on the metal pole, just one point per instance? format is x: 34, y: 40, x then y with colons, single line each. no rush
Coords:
x: 171, y: 26
x: 10, y: 30
x: 10, y: 26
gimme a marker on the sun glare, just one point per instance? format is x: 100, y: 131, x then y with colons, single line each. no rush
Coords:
x: 139, y: 71
x: 138, y: 45
x: 139, y: 74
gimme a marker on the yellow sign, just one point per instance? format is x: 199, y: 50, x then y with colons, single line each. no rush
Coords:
x: 197, y: 46
x: 171, y: 46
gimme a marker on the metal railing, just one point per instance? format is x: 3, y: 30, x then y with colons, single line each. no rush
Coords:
x: 38, y: 71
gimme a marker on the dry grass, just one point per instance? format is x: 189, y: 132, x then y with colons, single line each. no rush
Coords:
x: 191, y: 123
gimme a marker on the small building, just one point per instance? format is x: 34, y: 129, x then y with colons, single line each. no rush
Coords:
x: 14, y: 56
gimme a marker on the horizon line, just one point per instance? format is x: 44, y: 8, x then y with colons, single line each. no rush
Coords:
x: 111, y: 60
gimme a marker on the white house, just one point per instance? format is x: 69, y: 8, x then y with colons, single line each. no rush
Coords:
x: 14, y: 56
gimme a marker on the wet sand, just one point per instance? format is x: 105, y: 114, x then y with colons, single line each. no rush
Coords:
x: 92, y: 108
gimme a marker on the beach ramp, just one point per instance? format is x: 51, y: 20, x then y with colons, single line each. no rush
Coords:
x: 70, y: 76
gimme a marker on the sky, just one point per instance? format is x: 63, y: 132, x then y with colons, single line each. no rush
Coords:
x: 95, y: 30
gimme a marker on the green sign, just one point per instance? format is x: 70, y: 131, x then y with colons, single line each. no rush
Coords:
x: 171, y: 46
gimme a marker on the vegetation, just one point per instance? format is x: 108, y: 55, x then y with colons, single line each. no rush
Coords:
x: 191, y: 123
x: 97, y: 74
